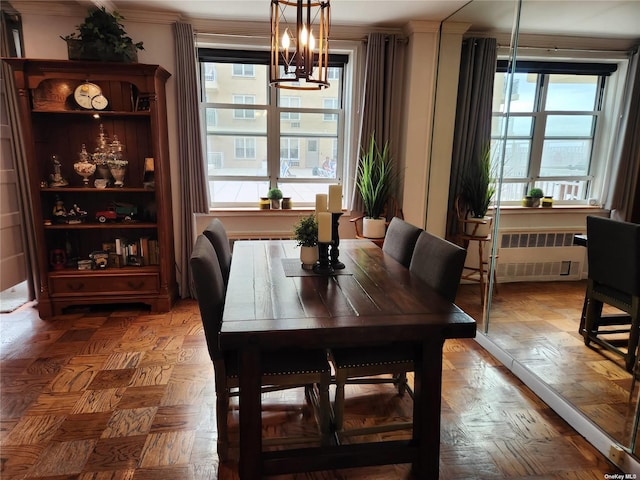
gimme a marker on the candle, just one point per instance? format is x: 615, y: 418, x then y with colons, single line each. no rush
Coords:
x: 324, y: 227
x: 321, y: 202
x: 335, y: 198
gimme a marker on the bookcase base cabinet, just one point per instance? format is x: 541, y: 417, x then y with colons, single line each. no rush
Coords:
x: 56, y: 127
x: 69, y: 288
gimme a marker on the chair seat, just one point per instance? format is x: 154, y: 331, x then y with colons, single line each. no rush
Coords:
x: 284, y: 362
x: 363, y: 356
x: 613, y: 296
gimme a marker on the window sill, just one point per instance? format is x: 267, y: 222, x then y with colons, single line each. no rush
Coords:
x: 556, y: 209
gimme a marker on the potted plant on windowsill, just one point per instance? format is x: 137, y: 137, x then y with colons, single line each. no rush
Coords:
x: 305, y: 233
x: 102, y: 37
x: 536, y: 194
x: 375, y: 178
x: 275, y: 195
x: 478, y: 189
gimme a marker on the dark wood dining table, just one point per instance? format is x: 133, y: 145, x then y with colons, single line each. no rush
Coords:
x: 272, y: 303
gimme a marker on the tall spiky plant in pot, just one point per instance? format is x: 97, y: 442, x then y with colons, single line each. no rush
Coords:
x: 478, y: 188
x: 376, y: 175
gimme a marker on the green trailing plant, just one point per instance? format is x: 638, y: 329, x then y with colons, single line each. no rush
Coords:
x: 478, y: 185
x: 536, y: 193
x: 274, y: 194
x: 376, y: 175
x: 102, y: 37
x: 305, y: 231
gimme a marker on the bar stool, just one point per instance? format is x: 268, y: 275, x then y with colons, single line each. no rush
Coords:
x: 476, y: 230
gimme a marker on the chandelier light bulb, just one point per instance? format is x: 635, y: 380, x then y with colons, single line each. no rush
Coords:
x: 303, y: 39
x: 285, y: 40
x: 312, y: 41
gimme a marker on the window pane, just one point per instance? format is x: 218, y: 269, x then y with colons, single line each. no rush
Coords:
x: 513, y: 191
x: 523, y: 93
x: 516, y: 159
x: 518, y: 126
x: 234, y: 191
x: 571, y: 92
x: 243, y: 155
x: 238, y: 120
x: 309, y: 123
x: 308, y: 157
x: 569, y: 125
x: 226, y: 84
x: 565, y: 158
x: 303, y: 192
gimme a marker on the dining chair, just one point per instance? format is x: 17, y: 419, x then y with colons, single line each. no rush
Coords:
x: 281, y: 369
x: 613, y: 259
x: 400, y: 240
x: 436, y: 262
x: 218, y: 237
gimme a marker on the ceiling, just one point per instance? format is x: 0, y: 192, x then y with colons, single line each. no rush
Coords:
x: 590, y: 18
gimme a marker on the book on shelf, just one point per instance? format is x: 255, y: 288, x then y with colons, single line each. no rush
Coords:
x: 140, y: 252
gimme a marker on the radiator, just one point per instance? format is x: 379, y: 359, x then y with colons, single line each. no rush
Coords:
x: 539, y: 256
x: 234, y: 236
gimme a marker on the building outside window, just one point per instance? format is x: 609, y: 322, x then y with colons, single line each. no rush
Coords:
x: 294, y: 139
x: 553, y: 130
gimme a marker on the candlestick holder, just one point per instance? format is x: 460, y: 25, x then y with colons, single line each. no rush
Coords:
x: 335, y: 241
x: 323, y: 267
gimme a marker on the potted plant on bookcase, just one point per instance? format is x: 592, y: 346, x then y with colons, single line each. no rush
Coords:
x: 102, y: 37
x: 478, y: 188
x: 305, y: 233
x: 374, y: 180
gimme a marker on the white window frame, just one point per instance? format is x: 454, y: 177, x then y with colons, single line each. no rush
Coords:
x: 244, y: 113
x: 603, y: 140
x: 346, y: 147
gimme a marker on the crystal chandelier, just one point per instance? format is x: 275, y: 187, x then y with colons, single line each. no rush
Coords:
x: 299, y: 44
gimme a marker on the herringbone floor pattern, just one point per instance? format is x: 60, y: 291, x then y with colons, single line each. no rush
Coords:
x: 124, y: 394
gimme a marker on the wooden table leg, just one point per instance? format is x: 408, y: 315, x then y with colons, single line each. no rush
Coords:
x: 250, y: 463
x: 426, y: 410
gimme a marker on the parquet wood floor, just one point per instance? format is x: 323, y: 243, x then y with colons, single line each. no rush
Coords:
x: 128, y: 395
x: 537, y: 324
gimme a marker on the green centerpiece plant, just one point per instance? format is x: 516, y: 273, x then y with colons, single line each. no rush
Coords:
x: 305, y: 233
x: 102, y: 37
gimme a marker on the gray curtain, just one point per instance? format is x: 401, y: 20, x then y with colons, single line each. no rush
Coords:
x: 473, y: 113
x: 384, y: 78
x: 193, y: 186
x: 9, y: 49
x: 625, y: 200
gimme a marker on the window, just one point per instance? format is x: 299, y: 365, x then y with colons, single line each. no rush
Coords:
x: 245, y: 100
x: 291, y: 135
x: 290, y: 102
x: 555, y: 111
x: 330, y: 104
x: 243, y: 70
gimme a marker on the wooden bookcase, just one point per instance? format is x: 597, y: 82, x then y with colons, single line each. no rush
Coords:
x: 53, y: 123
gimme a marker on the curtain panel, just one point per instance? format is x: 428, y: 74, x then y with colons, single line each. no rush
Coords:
x: 193, y: 185
x: 381, y: 114
x: 473, y: 114
x: 625, y: 199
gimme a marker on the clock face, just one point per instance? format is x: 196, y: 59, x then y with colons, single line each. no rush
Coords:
x: 84, y: 93
x: 99, y: 102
